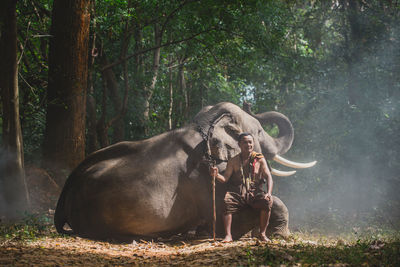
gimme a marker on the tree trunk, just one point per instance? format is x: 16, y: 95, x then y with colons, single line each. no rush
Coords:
x: 102, y: 130
x: 14, y: 198
x: 148, y: 90
x: 64, y: 143
x: 183, y: 89
x: 91, y: 137
x: 138, y: 80
x: 354, y: 49
x: 113, y: 92
x: 171, y: 96
x: 92, y: 142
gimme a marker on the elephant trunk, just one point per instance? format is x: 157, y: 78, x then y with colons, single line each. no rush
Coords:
x: 285, y: 137
x: 284, y: 140
x: 282, y: 143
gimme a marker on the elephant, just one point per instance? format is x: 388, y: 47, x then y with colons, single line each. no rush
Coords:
x: 161, y: 186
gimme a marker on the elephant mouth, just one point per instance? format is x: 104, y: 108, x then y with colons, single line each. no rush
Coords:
x: 291, y: 164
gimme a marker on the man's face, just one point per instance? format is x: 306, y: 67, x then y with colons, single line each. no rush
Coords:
x: 246, y: 144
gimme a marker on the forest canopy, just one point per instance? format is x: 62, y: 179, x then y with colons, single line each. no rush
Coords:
x: 332, y: 67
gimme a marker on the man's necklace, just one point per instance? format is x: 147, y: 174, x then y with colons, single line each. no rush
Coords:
x: 245, y: 180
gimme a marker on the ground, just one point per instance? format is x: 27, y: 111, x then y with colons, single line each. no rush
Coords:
x: 37, y: 243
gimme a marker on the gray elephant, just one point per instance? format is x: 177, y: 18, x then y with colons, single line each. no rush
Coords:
x: 161, y: 186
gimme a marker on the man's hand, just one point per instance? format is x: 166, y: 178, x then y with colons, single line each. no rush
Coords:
x: 268, y: 197
x: 214, y: 171
x: 218, y: 177
x: 227, y: 173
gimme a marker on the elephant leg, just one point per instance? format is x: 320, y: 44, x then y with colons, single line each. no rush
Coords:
x: 279, y: 220
x: 244, y: 221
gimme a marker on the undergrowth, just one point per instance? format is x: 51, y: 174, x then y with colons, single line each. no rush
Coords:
x: 31, y: 227
x: 376, y: 247
x: 362, y: 253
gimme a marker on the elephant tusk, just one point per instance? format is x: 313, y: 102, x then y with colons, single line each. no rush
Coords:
x: 281, y: 173
x: 292, y: 164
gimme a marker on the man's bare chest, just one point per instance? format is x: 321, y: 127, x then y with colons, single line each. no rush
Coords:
x: 247, y: 166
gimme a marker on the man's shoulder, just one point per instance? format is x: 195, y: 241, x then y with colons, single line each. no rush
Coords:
x: 236, y: 157
x: 257, y: 155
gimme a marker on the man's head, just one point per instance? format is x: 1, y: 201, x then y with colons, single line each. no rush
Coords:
x: 246, y: 143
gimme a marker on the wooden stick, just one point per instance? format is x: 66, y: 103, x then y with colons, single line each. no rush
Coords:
x: 214, y: 208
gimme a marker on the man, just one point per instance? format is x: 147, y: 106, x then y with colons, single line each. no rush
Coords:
x: 246, y: 173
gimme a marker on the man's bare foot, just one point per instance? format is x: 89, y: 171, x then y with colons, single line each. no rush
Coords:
x: 264, y: 238
x: 227, y: 239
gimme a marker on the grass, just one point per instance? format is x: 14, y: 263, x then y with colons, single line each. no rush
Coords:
x: 32, y: 226
x: 308, y: 249
x: 367, y: 247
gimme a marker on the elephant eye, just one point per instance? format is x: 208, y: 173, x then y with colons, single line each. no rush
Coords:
x: 229, y: 150
x: 232, y: 130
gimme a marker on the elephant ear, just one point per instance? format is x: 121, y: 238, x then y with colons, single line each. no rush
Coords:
x: 223, y: 142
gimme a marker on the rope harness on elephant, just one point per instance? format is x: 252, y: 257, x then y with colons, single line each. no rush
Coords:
x: 209, y: 158
x: 211, y: 161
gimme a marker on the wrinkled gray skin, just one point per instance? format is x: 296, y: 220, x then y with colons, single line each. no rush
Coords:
x: 161, y: 186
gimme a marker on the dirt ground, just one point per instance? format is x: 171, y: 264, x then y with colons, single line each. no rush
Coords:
x: 74, y: 251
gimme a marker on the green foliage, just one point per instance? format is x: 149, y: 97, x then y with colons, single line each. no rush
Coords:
x: 30, y: 228
x: 216, y: 55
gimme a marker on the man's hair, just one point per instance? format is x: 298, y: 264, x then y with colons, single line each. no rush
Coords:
x: 242, y: 135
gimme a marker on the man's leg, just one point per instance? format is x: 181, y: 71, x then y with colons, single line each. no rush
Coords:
x: 264, y: 220
x: 233, y: 203
x: 265, y: 206
x: 227, y: 224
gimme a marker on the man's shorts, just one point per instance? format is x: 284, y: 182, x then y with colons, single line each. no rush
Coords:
x: 234, y: 202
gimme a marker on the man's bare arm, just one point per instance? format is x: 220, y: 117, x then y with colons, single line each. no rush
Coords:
x: 227, y: 174
x: 267, y: 174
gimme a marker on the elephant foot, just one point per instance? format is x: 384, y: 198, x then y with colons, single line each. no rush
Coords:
x: 255, y: 232
x: 203, y: 231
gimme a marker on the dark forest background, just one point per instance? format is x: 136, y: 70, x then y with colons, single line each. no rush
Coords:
x: 92, y: 73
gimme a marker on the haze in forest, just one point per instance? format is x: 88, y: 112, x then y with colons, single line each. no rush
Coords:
x: 332, y: 67
x: 363, y: 191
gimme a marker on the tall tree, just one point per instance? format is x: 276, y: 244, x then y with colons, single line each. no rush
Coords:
x: 12, y: 175
x: 64, y: 144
